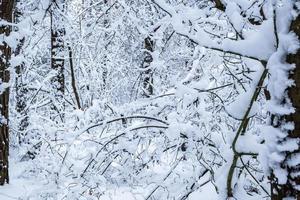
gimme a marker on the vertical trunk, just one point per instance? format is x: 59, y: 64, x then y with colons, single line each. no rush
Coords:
x: 57, y: 56
x: 57, y: 49
x: 73, y: 79
x: 6, y: 9
x: 147, y: 74
x: 21, y: 90
x: 288, y: 190
x: 21, y: 94
x: 105, y: 58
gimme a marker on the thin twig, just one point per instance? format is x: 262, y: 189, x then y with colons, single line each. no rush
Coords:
x: 242, y: 126
x: 254, y: 177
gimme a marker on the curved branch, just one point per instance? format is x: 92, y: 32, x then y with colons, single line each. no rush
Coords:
x: 241, y: 128
x: 115, y: 138
x: 124, y: 118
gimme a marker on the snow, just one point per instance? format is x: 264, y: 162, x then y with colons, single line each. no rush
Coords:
x: 19, y: 187
x: 233, y: 12
x: 276, y: 138
x: 238, y: 108
x: 207, y: 191
x: 182, y: 139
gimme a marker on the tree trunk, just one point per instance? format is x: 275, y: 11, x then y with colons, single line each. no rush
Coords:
x: 57, y: 49
x: 58, y: 56
x: 106, y: 24
x: 279, y: 192
x: 21, y: 89
x: 21, y: 96
x: 147, y: 74
x: 6, y: 9
x: 73, y: 79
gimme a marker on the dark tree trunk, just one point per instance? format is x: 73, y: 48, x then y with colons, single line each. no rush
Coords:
x: 21, y: 95
x: 6, y: 9
x: 147, y: 75
x: 21, y: 89
x: 288, y: 190
x: 57, y: 57
x: 57, y: 49
x: 73, y: 79
x: 106, y: 24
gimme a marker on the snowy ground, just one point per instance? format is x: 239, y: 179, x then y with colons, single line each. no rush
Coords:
x: 18, y: 188
x: 21, y: 188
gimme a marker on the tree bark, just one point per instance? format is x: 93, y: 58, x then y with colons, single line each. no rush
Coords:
x: 21, y: 95
x: 21, y: 89
x: 57, y: 49
x: 6, y: 9
x: 279, y: 192
x: 57, y: 56
x: 73, y: 79
x: 147, y: 74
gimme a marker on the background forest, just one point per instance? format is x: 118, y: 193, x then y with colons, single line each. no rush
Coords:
x: 149, y: 99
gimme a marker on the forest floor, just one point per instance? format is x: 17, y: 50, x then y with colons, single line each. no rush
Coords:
x: 23, y: 188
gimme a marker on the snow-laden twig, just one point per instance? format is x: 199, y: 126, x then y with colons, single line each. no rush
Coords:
x: 115, y: 138
x: 242, y: 128
x: 165, y: 178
